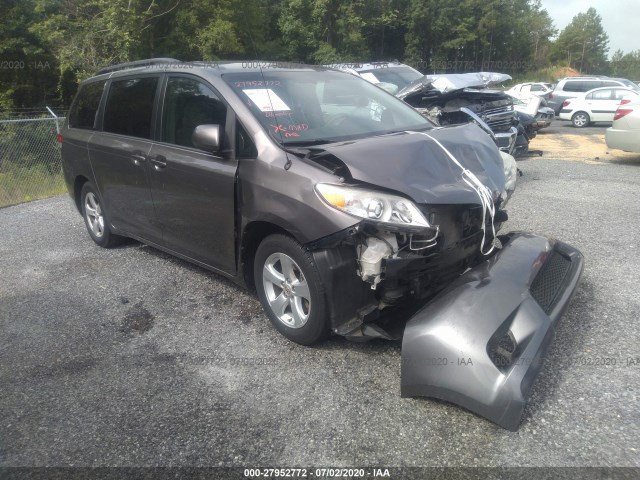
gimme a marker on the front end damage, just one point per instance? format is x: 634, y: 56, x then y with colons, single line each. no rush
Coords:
x: 491, y: 300
x: 480, y: 343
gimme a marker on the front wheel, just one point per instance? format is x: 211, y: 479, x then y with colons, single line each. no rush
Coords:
x: 290, y: 289
x: 95, y: 217
x: 580, y: 120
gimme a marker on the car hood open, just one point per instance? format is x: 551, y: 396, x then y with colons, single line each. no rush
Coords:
x: 414, y: 164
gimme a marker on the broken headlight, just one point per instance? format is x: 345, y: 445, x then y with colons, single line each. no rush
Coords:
x: 372, y: 205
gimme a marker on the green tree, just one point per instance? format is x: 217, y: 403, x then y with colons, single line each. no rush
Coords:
x: 583, y: 44
x: 626, y: 65
x: 324, y: 31
x: 28, y: 76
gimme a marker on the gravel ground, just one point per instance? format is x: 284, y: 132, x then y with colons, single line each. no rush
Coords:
x: 129, y: 357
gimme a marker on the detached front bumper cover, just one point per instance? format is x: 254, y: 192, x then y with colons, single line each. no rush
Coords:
x: 481, y: 342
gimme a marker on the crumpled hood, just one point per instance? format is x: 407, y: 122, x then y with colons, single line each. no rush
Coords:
x: 445, y: 83
x: 414, y: 164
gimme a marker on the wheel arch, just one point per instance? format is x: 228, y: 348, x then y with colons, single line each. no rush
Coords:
x: 78, y: 183
x: 252, y: 235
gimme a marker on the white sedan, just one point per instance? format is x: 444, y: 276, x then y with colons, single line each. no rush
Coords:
x: 597, y: 105
x: 625, y: 132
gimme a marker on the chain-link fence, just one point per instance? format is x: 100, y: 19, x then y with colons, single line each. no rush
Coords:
x: 30, y: 162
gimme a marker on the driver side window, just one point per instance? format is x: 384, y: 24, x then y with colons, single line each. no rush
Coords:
x: 187, y: 104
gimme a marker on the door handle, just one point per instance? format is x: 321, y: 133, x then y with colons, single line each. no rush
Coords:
x: 159, y: 162
x: 138, y: 159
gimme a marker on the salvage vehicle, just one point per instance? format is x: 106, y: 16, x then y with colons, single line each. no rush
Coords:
x: 441, y: 98
x: 391, y: 76
x: 535, y: 109
x: 336, y: 202
x: 408, y: 84
x: 538, y: 89
x: 597, y: 105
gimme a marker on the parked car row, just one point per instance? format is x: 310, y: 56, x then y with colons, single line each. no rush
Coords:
x: 572, y: 87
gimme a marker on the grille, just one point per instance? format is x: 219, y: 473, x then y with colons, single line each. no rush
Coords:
x: 498, y: 118
x: 549, y: 281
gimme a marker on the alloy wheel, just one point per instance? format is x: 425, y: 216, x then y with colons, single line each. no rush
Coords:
x: 287, y: 290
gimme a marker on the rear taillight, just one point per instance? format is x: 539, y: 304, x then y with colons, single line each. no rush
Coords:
x: 625, y: 101
x: 566, y: 103
x: 59, y: 138
x: 621, y: 112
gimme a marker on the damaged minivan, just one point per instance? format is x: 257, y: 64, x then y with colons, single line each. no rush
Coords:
x: 334, y: 200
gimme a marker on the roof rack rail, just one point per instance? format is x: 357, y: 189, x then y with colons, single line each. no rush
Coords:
x: 137, y: 63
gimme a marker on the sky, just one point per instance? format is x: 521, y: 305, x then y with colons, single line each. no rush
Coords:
x: 620, y: 19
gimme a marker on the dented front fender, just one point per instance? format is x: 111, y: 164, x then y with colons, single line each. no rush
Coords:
x: 480, y: 343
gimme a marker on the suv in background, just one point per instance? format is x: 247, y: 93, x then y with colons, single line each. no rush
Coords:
x: 571, y: 87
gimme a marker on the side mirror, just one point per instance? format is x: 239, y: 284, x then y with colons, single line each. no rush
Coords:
x: 206, y: 137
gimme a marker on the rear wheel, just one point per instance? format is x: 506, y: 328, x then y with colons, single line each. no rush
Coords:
x: 580, y: 119
x: 95, y: 217
x: 290, y: 289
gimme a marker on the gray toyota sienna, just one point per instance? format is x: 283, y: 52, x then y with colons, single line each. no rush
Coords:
x: 337, y: 203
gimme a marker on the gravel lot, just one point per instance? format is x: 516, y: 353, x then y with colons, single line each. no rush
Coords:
x: 131, y: 357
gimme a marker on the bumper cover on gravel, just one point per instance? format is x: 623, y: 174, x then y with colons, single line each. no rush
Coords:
x: 481, y: 342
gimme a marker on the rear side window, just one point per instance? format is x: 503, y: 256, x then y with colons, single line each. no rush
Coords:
x: 83, y: 111
x: 586, y: 86
x: 619, y: 93
x: 600, y: 95
x: 573, y: 87
x: 536, y: 88
x: 130, y: 106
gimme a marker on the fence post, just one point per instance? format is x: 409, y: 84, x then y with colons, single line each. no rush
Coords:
x: 56, y: 117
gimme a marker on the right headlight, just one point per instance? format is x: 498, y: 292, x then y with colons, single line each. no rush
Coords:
x: 372, y: 205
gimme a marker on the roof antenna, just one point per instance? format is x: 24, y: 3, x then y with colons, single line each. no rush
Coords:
x: 288, y: 163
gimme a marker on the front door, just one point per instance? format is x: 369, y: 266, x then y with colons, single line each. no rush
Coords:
x: 193, y: 190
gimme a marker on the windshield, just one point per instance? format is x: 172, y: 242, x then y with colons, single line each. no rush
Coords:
x: 398, y: 76
x: 322, y: 106
x: 631, y: 85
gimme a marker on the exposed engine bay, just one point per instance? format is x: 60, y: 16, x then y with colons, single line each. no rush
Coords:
x: 449, y: 229
x: 446, y: 99
x: 426, y: 264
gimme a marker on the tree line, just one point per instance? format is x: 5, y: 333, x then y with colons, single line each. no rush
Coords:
x: 47, y: 46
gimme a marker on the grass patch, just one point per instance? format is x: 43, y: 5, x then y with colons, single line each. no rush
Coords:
x: 24, y: 184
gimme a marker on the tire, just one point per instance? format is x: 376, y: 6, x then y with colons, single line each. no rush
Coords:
x: 95, y: 217
x: 290, y: 289
x: 580, y: 119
